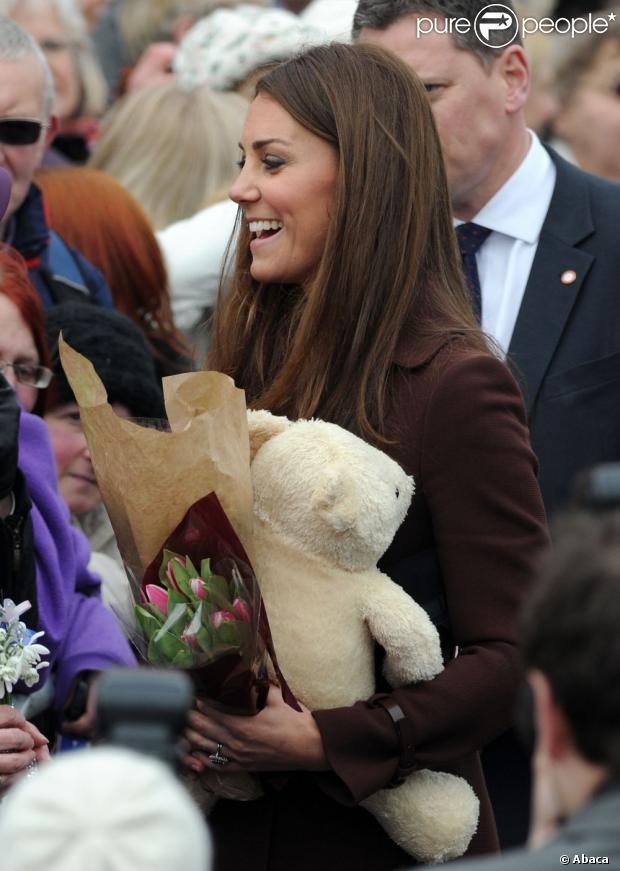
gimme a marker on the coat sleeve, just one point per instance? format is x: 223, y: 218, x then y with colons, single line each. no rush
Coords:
x: 478, y: 474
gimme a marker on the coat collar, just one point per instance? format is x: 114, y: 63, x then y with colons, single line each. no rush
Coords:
x: 413, y: 353
x: 31, y: 226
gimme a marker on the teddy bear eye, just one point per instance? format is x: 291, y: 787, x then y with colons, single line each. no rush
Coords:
x: 397, y: 492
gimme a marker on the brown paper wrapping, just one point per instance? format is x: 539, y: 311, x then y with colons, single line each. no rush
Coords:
x: 149, y: 478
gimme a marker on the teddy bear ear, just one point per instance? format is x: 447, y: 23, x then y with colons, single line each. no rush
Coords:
x: 335, y: 499
x: 264, y: 426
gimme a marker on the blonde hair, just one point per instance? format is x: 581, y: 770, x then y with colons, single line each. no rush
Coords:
x: 172, y: 149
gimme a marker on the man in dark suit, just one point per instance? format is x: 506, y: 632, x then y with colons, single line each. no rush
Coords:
x: 571, y: 647
x: 539, y: 237
x: 539, y: 240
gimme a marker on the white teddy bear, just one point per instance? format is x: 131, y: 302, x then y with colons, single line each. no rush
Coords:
x: 327, y: 505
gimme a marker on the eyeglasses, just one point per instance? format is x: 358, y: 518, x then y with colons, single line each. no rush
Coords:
x: 29, y: 373
x: 20, y: 131
x: 56, y: 45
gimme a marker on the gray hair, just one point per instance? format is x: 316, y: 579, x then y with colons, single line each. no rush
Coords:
x: 93, y: 86
x: 15, y: 45
x: 380, y: 14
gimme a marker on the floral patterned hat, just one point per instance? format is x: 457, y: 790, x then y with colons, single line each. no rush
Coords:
x: 222, y: 49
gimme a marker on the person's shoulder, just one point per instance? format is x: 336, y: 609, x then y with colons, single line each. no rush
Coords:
x: 465, y: 374
x: 464, y: 356
x: 457, y: 375
x: 603, y: 192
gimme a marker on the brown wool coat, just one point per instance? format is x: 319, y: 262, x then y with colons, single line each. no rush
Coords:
x: 457, y: 418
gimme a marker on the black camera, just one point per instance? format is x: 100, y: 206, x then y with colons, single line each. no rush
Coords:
x: 145, y: 710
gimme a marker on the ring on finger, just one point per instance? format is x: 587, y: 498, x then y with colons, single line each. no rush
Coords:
x: 219, y: 758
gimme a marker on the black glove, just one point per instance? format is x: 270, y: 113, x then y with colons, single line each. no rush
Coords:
x: 17, y: 556
x: 9, y: 426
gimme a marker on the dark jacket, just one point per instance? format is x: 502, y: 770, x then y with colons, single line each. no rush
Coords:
x: 17, y: 568
x: 58, y: 273
x: 565, y: 349
x: 457, y: 422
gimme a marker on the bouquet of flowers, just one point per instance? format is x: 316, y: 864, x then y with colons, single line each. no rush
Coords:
x: 202, y: 611
x: 20, y: 655
x: 181, y: 506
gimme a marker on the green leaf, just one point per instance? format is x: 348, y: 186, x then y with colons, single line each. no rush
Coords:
x: 185, y: 658
x: 228, y: 633
x: 168, y: 646
x: 218, y: 592
x: 149, y: 621
x: 176, y: 598
x: 192, y: 571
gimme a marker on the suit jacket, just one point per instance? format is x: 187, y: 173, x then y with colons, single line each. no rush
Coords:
x: 592, y: 832
x: 565, y: 349
x: 457, y: 424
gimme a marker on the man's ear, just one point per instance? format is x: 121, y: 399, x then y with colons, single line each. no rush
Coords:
x: 512, y: 65
x: 553, y: 734
x: 52, y: 130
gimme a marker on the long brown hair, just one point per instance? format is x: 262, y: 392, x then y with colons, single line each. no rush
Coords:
x: 390, y: 263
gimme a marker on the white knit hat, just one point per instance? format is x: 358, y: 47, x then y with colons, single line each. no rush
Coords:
x: 103, y: 808
x: 222, y: 49
x: 332, y: 18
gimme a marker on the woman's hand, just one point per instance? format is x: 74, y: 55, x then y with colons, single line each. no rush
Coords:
x: 21, y: 744
x: 278, y: 738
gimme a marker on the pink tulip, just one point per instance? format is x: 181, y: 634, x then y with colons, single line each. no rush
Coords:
x: 242, y: 610
x: 198, y: 587
x: 170, y: 570
x: 219, y: 617
x: 157, y: 596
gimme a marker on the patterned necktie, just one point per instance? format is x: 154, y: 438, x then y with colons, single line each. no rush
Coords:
x: 470, y: 237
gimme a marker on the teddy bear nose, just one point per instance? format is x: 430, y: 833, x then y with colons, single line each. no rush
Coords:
x: 397, y: 492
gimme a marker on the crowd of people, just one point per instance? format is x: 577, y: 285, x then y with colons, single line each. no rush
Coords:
x: 361, y: 212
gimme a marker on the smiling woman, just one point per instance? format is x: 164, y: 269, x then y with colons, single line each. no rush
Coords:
x: 348, y: 303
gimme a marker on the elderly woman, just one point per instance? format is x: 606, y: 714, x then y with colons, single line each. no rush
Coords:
x: 80, y: 90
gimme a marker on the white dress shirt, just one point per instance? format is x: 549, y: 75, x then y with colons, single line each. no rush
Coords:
x: 515, y: 215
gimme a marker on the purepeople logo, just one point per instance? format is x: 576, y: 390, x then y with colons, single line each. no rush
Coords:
x: 496, y: 25
x: 496, y: 19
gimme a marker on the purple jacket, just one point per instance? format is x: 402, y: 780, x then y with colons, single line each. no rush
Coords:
x: 81, y: 634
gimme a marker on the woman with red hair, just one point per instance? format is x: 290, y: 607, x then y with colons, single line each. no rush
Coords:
x: 24, y: 358
x: 95, y: 214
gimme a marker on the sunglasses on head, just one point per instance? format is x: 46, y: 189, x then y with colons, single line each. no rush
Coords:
x: 20, y: 131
